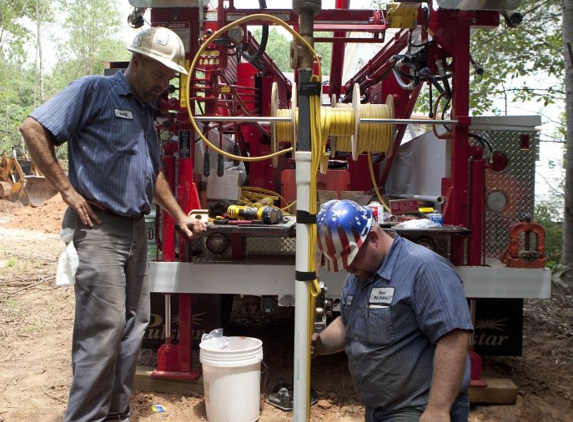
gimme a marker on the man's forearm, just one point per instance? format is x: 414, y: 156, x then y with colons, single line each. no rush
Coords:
x: 333, y: 337
x: 42, y: 150
x: 449, y: 368
x: 166, y: 200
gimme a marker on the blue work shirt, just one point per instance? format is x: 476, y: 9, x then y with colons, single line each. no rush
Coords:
x: 113, y: 148
x: 394, y: 320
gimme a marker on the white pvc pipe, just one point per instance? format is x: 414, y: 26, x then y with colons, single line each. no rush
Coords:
x: 439, y: 199
x: 301, y: 340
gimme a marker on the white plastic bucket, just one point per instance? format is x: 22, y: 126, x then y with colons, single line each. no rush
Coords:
x: 232, y: 379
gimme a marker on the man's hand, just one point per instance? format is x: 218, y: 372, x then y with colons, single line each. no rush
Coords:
x: 82, y: 208
x: 315, y: 345
x: 192, y: 227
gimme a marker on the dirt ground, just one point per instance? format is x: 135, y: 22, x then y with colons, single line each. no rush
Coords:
x: 36, y: 325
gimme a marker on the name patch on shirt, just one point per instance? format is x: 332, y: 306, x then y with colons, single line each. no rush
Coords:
x: 381, y: 296
x: 123, y: 114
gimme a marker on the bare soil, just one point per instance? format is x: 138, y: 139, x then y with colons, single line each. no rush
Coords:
x: 36, y: 325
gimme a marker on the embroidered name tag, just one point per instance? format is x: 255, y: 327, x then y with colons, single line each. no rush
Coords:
x: 123, y: 114
x: 381, y: 296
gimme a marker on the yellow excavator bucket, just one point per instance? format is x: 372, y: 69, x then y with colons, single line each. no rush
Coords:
x: 17, y: 186
x: 38, y: 190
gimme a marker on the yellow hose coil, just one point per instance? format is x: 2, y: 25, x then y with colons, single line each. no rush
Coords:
x: 341, y: 124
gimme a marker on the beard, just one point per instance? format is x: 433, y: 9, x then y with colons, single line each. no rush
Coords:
x: 362, y: 275
x: 152, y: 94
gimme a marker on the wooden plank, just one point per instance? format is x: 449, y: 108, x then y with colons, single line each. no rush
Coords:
x: 145, y: 382
x: 497, y: 391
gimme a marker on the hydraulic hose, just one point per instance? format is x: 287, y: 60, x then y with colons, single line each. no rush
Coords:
x: 211, y: 39
x: 263, y: 45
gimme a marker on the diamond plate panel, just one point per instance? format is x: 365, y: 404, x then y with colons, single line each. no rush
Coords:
x: 515, y: 184
x: 271, y: 245
x: 253, y: 247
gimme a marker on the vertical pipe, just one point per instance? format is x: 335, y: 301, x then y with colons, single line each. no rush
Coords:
x: 301, y: 381
x: 303, y: 158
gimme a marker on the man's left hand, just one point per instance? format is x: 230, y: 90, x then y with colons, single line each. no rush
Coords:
x: 192, y: 227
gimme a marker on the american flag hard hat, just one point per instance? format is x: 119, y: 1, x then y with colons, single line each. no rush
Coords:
x: 342, y: 227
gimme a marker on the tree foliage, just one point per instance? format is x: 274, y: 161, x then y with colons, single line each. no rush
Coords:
x: 13, y: 33
x: 89, y: 40
x: 516, y: 59
x: 278, y: 49
x: 548, y: 214
x: 16, y: 96
x: 567, y: 257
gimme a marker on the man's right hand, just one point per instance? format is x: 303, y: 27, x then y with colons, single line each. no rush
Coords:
x: 82, y: 208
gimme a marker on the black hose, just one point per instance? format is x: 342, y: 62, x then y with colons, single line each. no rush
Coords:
x: 262, y: 46
x: 483, y: 141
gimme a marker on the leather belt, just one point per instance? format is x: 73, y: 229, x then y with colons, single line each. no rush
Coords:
x: 99, y: 207
x: 129, y: 217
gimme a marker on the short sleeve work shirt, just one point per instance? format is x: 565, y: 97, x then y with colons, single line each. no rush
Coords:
x: 393, y: 323
x: 114, y: 153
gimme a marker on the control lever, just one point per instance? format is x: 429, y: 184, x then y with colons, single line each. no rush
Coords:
x: 206, y: 164
x: 220, y: 165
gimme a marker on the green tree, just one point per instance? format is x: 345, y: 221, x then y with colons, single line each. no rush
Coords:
x: 16, y: 95
x: 567, y: 256
x: 549, y: 213
x: 16, y: 78
x: 512, y: 57
x: 90, y: 39
x: 278, y: 44
x: 89, y: 36
x: 13, y: 32
x: 43, y: 16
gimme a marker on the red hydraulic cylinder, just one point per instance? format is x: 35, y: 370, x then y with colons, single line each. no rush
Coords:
x: 477, y: 210
x: 176, y: 361
x: 168, y: 224
x: 167, y: 355
x: 451, y: 29
x: 460, y: 148
x: 475, y: 245
x: 337, y: 59
x: 188, y: 199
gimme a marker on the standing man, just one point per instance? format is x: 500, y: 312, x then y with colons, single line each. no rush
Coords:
x: 114, y: 176
x: 405, y: 323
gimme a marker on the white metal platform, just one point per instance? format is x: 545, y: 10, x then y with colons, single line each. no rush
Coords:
x: 279, y: 279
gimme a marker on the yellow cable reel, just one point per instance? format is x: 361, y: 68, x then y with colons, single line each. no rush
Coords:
x: 341, y: 125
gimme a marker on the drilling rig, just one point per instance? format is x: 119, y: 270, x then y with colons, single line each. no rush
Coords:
x: 239, y: 130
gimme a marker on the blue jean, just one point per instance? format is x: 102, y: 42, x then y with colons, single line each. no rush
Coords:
x: 460, y: 412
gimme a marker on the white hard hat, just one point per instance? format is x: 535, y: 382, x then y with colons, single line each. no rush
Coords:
x: 161, y: 44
